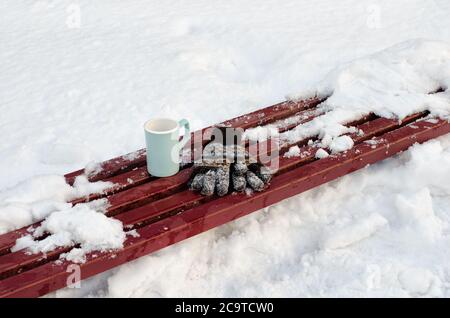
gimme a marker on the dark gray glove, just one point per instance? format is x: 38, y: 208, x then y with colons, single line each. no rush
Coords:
x: 225, y: 168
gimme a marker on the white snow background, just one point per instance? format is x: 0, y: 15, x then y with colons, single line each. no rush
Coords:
x: 79, y: 78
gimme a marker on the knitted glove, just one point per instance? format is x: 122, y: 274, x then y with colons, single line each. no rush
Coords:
x: 227, y: 168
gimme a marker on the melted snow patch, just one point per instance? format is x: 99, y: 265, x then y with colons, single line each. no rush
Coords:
x: 134, y: 155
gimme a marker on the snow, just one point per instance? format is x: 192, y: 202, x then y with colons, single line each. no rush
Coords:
x: 132, y: 233
x: 292, y: 152
x: 33, y: 200
x: 92, y: 169
x: 46, y: 198
x: 321, y: 153
x: 340, y: 144
x: 393, y: 83
x: 261, y: 133
x: 354, y: 232
x: 418, y: 281
x: 415, y: 209
x: 73, y: 93
x: 75, y: 225
x: 84, y: 187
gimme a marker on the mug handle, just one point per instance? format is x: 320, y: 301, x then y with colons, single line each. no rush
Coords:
x: 187, y: 133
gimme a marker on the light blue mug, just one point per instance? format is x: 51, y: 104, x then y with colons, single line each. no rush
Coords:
x: 162, y: 136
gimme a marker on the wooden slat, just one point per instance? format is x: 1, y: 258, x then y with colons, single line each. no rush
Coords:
x: 120, y: 183
x: 149, y: 213
x: 112, y: 167
x: 51, y: 276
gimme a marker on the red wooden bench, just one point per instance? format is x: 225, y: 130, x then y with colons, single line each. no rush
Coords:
x: 164, y: 212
